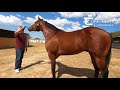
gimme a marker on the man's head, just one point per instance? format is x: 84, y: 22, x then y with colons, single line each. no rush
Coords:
x: 19, y: 27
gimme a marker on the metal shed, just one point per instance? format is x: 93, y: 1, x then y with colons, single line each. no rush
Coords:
x: 116, y: 42
x: 7, y: 38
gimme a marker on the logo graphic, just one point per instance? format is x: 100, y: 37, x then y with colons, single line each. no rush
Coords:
x: 89, y: 21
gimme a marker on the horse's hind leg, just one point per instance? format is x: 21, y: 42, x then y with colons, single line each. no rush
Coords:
x: 95, y: 65
x: 101, y: 63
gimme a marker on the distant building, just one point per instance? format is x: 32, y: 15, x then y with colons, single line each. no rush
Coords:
x: 37, y: 40
x: 7, y: 38
x: 42, y: 40
x: 116, y: 42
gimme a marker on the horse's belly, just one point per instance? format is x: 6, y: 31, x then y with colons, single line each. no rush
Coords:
x: 69, y: 52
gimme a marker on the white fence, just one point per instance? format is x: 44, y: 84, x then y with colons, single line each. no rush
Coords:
x: 37, y: 41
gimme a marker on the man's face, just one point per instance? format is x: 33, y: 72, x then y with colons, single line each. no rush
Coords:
x: 22, y: 31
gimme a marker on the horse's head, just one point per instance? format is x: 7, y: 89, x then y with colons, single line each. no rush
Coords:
x: 37, y: 26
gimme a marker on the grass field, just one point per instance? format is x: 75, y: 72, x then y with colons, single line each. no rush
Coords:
x: 36, y: 64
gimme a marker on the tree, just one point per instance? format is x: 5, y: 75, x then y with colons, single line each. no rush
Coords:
x: 115, y: 34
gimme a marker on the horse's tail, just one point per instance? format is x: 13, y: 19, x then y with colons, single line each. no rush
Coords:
x: 108, y: 57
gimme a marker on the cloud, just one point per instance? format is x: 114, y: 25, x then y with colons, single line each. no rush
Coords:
x: 65, y: 24
x: 76, y: 14
x: 99, y: 16
x: 20, y: 16
x: 75, y: 26
x: 29, y: 20
x: 103, y: 18
x: 58, y: 22
x: 109, y: 16
x: 71, y: 14
x: 32, y: 20
x: 11, y: 20
x: 116, y: 20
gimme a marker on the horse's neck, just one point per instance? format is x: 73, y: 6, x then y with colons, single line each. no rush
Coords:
x: 48, y: 32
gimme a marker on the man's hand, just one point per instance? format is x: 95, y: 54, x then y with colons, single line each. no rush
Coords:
x: 26, y: 49
x: 19, y: 30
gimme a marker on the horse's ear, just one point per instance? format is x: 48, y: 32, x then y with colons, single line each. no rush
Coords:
x: 38, y: 17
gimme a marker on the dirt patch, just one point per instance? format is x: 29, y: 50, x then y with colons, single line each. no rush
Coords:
x: 36, y: 64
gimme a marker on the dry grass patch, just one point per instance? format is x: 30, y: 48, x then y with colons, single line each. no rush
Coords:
x: 36, y: 64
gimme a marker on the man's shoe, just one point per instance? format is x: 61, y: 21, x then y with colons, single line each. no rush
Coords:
x: 17, y: 70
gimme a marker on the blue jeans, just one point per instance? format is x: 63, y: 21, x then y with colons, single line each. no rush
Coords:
x: 19, y: 57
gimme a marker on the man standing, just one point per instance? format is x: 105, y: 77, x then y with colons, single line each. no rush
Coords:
x: 21, y: 46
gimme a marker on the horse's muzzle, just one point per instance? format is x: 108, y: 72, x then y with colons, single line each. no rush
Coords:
x: 29, y: 28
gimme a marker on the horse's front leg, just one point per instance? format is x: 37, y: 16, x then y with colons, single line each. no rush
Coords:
x: 53, y: 63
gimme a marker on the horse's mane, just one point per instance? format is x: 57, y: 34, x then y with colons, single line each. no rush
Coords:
x: 51, y: 26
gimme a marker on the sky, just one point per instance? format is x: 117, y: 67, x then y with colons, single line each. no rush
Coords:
x: 67, y: 21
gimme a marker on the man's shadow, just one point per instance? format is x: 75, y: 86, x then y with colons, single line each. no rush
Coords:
x: 79, y: 72
x: 32, y: 64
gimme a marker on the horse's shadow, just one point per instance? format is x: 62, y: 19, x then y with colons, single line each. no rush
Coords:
x: 63, y: 69
x: 79, y: 72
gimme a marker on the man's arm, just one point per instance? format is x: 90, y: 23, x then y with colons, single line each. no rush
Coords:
x: 26, y: 44
x: 19, y: 30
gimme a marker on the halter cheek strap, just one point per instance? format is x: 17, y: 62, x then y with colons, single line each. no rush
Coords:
x: 38, y: 24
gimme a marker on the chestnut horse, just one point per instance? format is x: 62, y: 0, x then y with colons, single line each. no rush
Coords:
x: 95, y: 41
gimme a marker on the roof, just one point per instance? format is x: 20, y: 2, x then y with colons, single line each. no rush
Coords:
x: 116, y: 38
x: 8, y: 33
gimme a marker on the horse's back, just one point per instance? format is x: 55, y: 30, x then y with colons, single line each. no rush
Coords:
x: 95, y: 30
